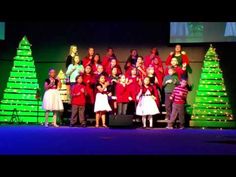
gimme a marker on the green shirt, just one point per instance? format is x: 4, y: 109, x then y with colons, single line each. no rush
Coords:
x: 169, y: 87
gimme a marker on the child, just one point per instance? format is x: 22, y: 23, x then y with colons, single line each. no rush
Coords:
x: 122, y: 93
x: 51, y: 99
x: 181, y: 72
x: 78, y: 102
x: 169, y: 83
x: 101, y: 105
x: 153, y: 82
x: 134, y: 83
x: 75, y: 69
x: 178, y: 96
x: 112, y: 64
x: 89, y: 82
x: 141, y: 70
x: 113, y: 79
x: 95, y: 62
x: 88, y: 59
x: 147, y: 105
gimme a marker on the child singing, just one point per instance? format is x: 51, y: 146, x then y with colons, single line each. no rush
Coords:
x: 51, y: 99
x: 178, y: 96
x: 147, y: 105
x: 122, y: 93
x: 78, y: 102
x: 101, y: 105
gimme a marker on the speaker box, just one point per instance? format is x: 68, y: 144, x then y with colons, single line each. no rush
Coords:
x: 121, y: 121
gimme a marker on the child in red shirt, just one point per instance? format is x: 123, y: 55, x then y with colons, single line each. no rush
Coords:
x: 78, y: 102
x: 122, y: 94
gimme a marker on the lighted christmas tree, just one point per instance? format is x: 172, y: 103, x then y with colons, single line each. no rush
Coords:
x: 22, y: 92
x: 63, y: 90
x: 212, y: 107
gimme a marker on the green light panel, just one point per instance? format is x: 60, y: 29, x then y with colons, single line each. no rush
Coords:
x: 22, y: 87
x: 212, y: 107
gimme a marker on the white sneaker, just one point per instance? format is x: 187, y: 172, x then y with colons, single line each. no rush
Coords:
x: 169, y: 127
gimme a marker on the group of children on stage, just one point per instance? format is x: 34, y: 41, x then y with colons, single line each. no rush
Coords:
x: 99, y: 85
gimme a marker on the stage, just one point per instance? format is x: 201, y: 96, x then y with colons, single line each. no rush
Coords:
x: 39, y: 140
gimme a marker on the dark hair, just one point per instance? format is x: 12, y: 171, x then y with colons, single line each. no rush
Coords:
x: 108, y: 48
x: 73, y: 61
x: 51, y: 69
x: 91, y: 71
x: 99, y: 61
x: 171, y: 67
x: 157, y: 52
x: 100, y: 77
x: 140, y: 57
x: 77, y: 77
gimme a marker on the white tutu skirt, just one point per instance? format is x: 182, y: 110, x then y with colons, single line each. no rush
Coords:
x: 147, y: 106
x: 101, y: 103
x: 52, y: 100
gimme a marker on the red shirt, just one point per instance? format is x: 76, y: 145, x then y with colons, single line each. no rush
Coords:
x: 122, y: 93
x: 133, y: 87
x: 183, y: 56
x: 153, y: 92
x: 109, y: 69
x: 148, y: 60
x: 89, y: 82
x: 105, y: 61
x: 86, y: 61
x: 78, y: 97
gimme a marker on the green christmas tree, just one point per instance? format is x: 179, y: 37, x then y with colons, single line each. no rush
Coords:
x: 212, y: 107
x: 21, y: 96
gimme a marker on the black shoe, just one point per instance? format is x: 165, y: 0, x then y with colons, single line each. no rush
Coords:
x: 72, y: 125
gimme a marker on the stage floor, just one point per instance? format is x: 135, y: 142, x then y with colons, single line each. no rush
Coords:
x: 39, y: 140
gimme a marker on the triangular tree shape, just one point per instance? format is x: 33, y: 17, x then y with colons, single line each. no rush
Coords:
x: 63, y: 91
x: 211, y: 107
x: 22, y: 92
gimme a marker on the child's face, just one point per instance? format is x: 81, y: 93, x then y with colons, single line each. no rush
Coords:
x: 122, y: 79
x: 91, y: 51
x: 139, y: 60
x: 110, y: 52
x: 146, y: 81
x: 96, y: 58
x: 100, y: 68
x: 76, y: 59
x: 74, y: 49
x: 102, y: 79
x: 134, y: 53
x: 52, y: 73
x: 177, y: 48
x: 183, y: 83
x: 80, y: 80
x: 113, y: 62
x: 133, y: 71
x: 174, y: 62
x: 88, y: 69
x: 114, y: 71
x: 151, y: 70
x: 171, y: 72
x: 154, y: 50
